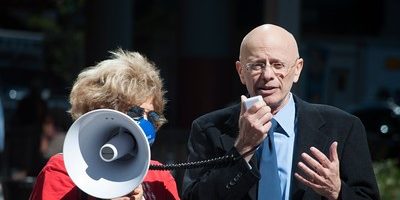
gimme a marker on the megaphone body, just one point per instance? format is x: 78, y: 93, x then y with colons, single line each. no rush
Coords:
x: 106, y: 153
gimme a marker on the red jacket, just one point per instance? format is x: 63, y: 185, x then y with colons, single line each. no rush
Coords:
x: 53, y: 183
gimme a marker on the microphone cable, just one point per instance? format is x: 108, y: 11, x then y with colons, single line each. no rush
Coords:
x: 226, y: 159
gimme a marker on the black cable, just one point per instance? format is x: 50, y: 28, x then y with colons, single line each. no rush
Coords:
x: 196, y: 164
x: 226, y: 159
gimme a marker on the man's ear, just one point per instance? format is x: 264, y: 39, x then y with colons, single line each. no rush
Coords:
x: 297, y: 70
x: 239, y: 69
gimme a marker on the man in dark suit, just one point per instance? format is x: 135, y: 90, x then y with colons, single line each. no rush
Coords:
x: 287, y: 148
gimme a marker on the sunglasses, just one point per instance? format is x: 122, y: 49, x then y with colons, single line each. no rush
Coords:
x: 137, y: 113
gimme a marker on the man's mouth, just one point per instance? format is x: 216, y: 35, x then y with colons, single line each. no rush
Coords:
x: 266, y: 91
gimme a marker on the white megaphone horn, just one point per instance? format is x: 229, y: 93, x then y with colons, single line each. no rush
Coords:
x: 106, y: 153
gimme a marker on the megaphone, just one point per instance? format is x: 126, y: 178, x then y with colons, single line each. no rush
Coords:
x: 106, y: 153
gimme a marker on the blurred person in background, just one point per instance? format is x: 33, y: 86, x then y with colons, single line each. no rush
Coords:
x: 54, y: 127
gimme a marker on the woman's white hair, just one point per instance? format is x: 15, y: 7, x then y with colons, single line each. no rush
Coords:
x: 125, y: 80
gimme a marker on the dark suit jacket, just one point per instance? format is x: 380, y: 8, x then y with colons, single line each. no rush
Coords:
x: 214, y: 134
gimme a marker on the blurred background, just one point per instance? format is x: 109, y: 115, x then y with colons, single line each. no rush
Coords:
x: 351, y: 50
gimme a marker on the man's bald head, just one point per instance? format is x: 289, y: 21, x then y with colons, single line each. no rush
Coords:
x: 269, y: 35
x: 269, y: 45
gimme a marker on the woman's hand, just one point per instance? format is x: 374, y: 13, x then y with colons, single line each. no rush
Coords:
x: 136, y: 194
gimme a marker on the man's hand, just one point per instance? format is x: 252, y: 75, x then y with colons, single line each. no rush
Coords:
x: 254, y: 124
x: 321, y: 174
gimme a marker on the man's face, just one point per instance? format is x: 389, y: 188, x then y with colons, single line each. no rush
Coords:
x: 273, y: 84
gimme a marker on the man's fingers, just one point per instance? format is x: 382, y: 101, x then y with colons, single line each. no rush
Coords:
x: 306, y: 182
x: 320, y: 172
x: 333, y: 155
x: 320, y: 157
x: 314, y: 164
x: 242, y: 99
x: 310, y: 173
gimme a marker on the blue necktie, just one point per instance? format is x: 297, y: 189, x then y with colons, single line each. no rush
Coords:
x: 269, y: 184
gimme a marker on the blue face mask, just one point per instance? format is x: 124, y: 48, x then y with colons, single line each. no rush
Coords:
x: 148, y: 126
x: 148, y: 129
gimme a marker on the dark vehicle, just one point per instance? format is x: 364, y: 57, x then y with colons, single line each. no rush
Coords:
x: 382, y: 124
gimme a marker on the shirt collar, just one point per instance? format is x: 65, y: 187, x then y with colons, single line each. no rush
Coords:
x: 285, y: 116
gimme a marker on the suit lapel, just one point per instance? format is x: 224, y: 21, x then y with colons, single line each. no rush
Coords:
x: 310, y: 129
x: 309, y: 133
x: 230, y: 129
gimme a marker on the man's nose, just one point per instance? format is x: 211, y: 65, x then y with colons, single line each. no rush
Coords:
x: 268, y: 73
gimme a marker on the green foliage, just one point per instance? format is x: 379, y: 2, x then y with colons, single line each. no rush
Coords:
x: 388, y: 176
x: 63, y: 24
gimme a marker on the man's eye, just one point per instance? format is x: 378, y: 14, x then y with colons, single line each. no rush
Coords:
x: 257, y: 66
x: 277, y: 65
